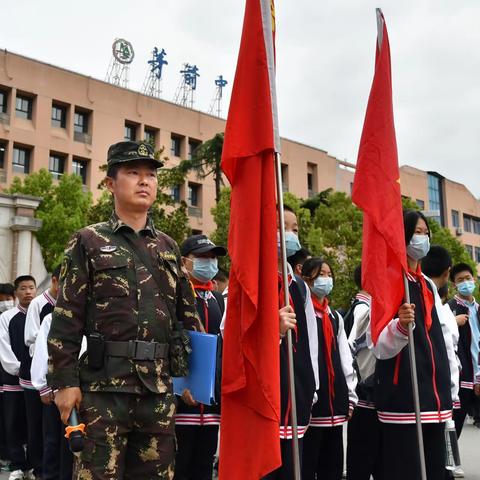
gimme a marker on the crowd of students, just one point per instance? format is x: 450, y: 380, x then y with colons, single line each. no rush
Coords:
x: 341, y: 376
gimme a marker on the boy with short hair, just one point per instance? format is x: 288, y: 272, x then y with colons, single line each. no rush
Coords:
x: 466, y: 309
x: 13, y: 356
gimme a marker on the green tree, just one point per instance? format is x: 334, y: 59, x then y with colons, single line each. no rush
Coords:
x: 63, y: 210
x: 221, y: 216
x: 205, y: 161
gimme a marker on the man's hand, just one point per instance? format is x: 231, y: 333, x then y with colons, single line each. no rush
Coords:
x: 476, y: 389
x: 47, y: 399
x: 462, y: 319
x: 287, y: 319
x: 66, y: 399
x: 406, y: 314
x: 350, y: 412
x: 188, y: 399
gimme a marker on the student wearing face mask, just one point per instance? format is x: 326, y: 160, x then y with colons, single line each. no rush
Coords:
x: 196, y: 425
x: 323, y: 443
x: 437, y: 369
x: 299, y: 317
x: 466, y: 310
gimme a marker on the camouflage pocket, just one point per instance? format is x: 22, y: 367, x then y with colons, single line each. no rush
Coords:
x: 110, y: 275
x: 180, y: 350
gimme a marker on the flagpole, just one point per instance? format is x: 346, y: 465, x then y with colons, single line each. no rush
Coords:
x: 286, y: 301
x: 416, y: 396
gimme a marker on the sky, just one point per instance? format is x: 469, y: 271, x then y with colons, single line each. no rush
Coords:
x: 325, y: 60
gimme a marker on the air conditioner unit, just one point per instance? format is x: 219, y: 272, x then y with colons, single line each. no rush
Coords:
x: 459, y: 231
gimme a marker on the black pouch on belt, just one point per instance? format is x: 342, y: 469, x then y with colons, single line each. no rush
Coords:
x: 96, y: 350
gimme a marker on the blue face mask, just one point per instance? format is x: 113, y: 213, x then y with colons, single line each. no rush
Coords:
x: 292, y: 243
x: 466, y: 288
x: 322, y: 286
x: 204, y: 269
x: 419, y: 247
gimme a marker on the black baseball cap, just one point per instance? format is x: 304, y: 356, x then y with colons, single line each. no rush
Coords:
x: 201, y: 244
x: 129, y: 151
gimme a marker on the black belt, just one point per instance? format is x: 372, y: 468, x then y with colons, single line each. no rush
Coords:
x: 137, y: 350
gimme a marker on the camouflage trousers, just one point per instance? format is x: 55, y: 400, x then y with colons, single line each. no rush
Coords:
x: 128, y: 436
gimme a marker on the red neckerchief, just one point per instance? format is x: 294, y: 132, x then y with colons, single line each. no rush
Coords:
x: 428, y: 300
x: 321, y: 309
x: 203, y: 287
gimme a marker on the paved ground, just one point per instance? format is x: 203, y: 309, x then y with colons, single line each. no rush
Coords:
x: 469, y: 452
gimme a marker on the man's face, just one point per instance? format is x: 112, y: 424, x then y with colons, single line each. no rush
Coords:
x: 291, y: 223
x: 26, y: 292
x: 135, y: 187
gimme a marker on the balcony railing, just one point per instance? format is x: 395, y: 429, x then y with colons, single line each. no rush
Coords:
x: 82, y: 137
x: 195, y: 212
x: 4, y: 118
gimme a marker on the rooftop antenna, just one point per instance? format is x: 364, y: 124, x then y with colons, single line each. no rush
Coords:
x: 152, y: 85
x: 122, y: 56
x: 216, y: 105
x: 188, y: 84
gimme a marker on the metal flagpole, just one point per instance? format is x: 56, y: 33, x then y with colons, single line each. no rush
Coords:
x: 286, y: 301
x: 416, y: 396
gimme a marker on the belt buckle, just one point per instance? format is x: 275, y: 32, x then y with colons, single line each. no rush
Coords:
x: 142, y: 351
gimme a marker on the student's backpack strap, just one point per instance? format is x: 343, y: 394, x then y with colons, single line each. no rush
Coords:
x: 348, y: 318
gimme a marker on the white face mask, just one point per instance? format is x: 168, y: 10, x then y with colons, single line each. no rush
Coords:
x: 6, y: 305
x: 418, y: 247
x: 322, y: 286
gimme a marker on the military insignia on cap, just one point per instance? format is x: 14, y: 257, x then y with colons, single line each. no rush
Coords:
x: 108, y: 249
x: 143, y: 151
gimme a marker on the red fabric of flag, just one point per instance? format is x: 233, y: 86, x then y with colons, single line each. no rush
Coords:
x: 250, y: 375
x: 376, y: 190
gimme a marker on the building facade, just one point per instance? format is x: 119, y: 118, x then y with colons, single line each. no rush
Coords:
x: 63, y: 121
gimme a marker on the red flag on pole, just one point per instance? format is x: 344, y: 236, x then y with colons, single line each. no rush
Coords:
x: 251, y: 377
x: 376, y: 190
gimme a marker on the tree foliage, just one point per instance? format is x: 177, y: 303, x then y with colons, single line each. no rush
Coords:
x: 63, y: 210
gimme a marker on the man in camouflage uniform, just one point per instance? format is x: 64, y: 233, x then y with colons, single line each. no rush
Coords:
x: 122, y: 386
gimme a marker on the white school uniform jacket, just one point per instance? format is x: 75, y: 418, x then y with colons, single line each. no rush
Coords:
x: 437, y: 394
x: 38, y: 309
x: 39, y: 366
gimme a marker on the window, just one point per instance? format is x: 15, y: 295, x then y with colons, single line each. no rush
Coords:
x: 175, y: 146
x: 476, y: 226
x: 284, y: 177
x: 420, y: 204
x: 467, y: 223
x: 455, y: 218
x: 23, y: 107
x: 192, y: 146
x: 56, y: 165
x: 79, y: 167
x: 59, y: 116
x: 3, y: 153
x: 150, y: 136
x: 176, y: 193
x: 3, y: 101
x: 435, y: 197
x: 312, y: 179
x: 477, y: 254
x: 80, y: 122
x: 130, y: 132
x: 193, y: 194
x: 21, y: 160
x: 469, y: 250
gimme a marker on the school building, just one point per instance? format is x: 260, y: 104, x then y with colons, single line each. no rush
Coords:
x: 64, y: 121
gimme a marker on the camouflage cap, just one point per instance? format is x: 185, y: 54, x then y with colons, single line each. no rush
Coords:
x: 129, y: 151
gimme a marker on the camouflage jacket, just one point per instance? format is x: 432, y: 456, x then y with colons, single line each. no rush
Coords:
x: 104, y: 288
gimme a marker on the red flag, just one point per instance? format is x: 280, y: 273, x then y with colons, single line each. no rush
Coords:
x: 376, y: 190
x: 251, y: 374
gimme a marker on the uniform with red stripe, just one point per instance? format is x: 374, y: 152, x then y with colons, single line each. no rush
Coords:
x: 196, y: 426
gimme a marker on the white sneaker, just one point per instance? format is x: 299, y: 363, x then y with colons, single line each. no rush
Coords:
x: 459, y: 473
x: 16, y: 475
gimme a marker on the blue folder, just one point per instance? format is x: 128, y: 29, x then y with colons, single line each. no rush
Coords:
x: 201, y: 367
